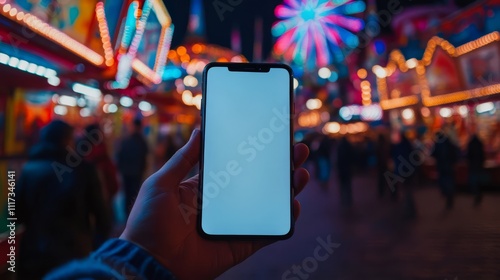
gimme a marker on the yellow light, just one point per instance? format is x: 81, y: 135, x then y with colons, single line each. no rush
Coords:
x: 313, y: 104
x: 412, y: 63
x: 104, y: 31
x: 54, y: 34
x: 196, y: 48
x: 379, y: 71
x: 13, y: 12
x: 197, y: 101
x: 362, y: 73
x: 172, y: 54
x: 145, y: 71
x: 181, y: 50
x: 365, y: 85
x: 399, y: 102
x: 331, y: 127
x: 187, y: 97
x: 483, y: 41
x: 185, y: 58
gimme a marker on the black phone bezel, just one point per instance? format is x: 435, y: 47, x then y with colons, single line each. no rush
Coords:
x: 244, y: 67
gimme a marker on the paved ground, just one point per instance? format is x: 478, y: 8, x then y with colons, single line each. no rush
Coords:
x: 374, y: 241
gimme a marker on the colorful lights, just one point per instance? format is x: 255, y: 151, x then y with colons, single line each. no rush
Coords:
x: 408, y: 114
x: 145, y: 106
x: 67, y: 100
x: 126, y: 101
x: 313, y: 104
x: 352, y: 128
x: 324, y: 73
x: 483, y: 41
x: 463, y: 111
x: 51, y: 33
x: 104, y: 31
x: 371, y: 113
x: 197, y: 101
x: 411, y: 63
x: 331, y: 127
x: 397, y: 60
x: 60, y: 110
x: 485, y: 107
x: 152, y: 75
x: 309, y: 119
x: 31, y: 68
x: 190, y: 81
x: 187, y: 97
x: 316, y: 32
x: 366, y: 93
x: 145, y: 71
x: 362, y: 73
x: 445, y: 112
x: 91, y: 92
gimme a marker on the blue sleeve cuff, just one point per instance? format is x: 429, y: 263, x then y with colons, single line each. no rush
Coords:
x: 130, y: 260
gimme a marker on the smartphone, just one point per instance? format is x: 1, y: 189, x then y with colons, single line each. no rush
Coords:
x: 246, y: 151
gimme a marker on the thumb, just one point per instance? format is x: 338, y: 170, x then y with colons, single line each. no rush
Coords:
x: 182, y: 162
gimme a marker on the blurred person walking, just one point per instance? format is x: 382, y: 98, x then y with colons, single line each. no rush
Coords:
x: 402, y: 151
x: 99, y: 157
x: 475, y: 158
x: 446, y: 154
x: 383, y: 154
x: 132, y: 163
x: 323, y: 161
x: 344, y: 168
x: 60, y: 203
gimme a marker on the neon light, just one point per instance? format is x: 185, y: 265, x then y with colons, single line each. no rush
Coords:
x: 51, y: 33
x: 316, y: 31
x: 89, y: 91
x: 31, y: 68
x: 145, y: 71
x: 104, y: 31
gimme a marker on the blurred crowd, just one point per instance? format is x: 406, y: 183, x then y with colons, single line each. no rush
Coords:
x: 401, y: 161
x: 74, y: 193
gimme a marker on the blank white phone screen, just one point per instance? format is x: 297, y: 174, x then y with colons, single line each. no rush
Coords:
x: 246, y: 172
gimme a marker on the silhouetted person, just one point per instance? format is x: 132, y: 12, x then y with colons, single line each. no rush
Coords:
x: 446, y: 154
x: 344, y: 165
x: 406, y: 170
x: 58, y: 199
x: 132, y: 163
x: 99, y: 157
x: 323, y: 161
x: 383, y: 154
x: 475, y: 157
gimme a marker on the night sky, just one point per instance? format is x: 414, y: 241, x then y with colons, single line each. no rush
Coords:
x: 243, y: 17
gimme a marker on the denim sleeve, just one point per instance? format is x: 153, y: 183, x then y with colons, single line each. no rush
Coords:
x: 116, y: 259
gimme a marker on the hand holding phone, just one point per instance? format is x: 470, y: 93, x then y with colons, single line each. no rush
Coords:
x: 163, y: 218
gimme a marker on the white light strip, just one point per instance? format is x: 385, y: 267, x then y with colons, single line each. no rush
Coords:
x: 27, y: 66
x: 87, y: 90
x: 67, y: 100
